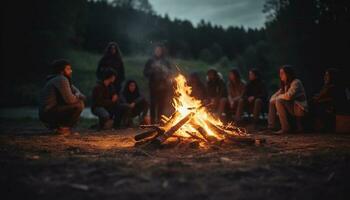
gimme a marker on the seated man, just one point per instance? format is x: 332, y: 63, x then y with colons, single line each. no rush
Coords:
x: 106, y: 103
x: 216, y: 91
x: 253, y: 97
x: 60, y: 102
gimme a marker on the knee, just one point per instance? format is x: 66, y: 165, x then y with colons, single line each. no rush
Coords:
x: 79, y: 106
x: 258, y: 101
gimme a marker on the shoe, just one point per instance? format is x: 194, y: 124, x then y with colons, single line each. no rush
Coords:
x: 63, y: 131
x: 107, y: 125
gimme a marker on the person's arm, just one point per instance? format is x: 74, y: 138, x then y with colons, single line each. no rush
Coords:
x: 230, y: 98
x: 77, y: 93
x: 223, y: 89
x: 291, y: 93
x: 64, y: 88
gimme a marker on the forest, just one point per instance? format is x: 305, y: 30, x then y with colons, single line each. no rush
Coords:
x: 311, y: 35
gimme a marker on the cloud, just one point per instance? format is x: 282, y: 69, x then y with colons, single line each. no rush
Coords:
x: 247, y: 13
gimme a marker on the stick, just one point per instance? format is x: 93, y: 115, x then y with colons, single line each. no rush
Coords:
x: 173, y: 129
x: 145, y: 134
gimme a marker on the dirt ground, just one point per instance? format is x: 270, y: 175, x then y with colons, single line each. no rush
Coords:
x: 36, y: 164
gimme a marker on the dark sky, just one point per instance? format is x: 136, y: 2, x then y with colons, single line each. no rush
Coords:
x: 247, y: 13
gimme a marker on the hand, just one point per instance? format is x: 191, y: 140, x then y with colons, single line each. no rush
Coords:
x: 132, y: 105
x: 114, y: 97
x: 231, y: 105
x: 251, y: 99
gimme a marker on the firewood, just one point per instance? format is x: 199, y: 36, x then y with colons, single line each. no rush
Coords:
x: 215, y: 128
x: 196, y: 137
x: 161, y: 138
x: 145, y: 134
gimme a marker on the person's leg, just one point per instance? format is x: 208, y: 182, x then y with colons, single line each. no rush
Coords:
x: 222, y: 104
x: 284, y: 107
x: 272, y: 114
x: 103, y: 116
x: 257, y: 109
x: 162, y: 102
x: 67, y: 115
x: 240, y: 109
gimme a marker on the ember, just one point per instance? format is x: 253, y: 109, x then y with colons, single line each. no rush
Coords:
x: 191, y: 122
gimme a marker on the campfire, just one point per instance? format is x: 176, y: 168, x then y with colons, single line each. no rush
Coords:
x: 191, y: 123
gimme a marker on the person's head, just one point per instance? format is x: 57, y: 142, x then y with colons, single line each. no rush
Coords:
x: 330, y: 76
x: 109, y: 77
x: 63, y: 67
x: 194, y: 78
x: 254, y: 74
x: 159, y: 51
x: 234, y: 75
x: 287, y: 74
x: 112, y: 49
x: 212, y: 75
x: 131, y: 87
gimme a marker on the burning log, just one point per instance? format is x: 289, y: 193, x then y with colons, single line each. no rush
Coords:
x: 161, y: 138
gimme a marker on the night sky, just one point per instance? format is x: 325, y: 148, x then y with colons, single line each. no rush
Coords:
x: 247, y: 13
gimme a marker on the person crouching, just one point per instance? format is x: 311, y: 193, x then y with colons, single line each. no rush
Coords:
x: 136, y: 104
x: 61, y: 103
x: 106, y: 103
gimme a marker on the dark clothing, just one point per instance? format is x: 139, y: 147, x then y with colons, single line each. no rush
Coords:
x: 216, y: 88
x: 141, y: 105
x: 62, y: 116
x: 102, y: 96
x: 255, y: 88
x: 158, y: 71
x: 60, y: 102
x: 112, y: 62
x: 198, y: 90
x: 103, y: 106
x: 323, y: 107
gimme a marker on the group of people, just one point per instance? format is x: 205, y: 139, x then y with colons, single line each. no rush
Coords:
x: 116, y: 101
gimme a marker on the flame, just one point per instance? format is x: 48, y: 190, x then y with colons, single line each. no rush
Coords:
x: 184, y: 104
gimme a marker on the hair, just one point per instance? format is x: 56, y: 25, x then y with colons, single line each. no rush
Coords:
x: 256, y: 72
x: 108, y: 73
x: 333, y: 75
x: 59, y: 65
x: 162, y: 46
x: 214, y: 71
x: 127, y: 94
x: 236, y: 73
x: 108, y: 49
x: 290, y: 73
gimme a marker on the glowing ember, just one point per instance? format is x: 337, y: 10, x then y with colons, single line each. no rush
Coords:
x: 198, y: 122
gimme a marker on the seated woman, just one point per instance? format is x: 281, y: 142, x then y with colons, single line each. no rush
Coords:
x: 289, y: 99
x: 253, y: 97
x: 323, y: 103
x: 235, y: 88
x: 198, y: 88
x: 60, y: 102
x: 106, y: 104
x: 217, y: 93
x: 135, y: 103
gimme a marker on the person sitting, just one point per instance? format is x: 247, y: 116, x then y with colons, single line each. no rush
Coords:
x: 60, y: 102
x: 253, y: 97
x: 198, y: 88
x: 217, y: 92
x: 289, y: 99
x: 135, y: 102
x: 235, y: 88
x: 106, y: 104
x: 323, y: 103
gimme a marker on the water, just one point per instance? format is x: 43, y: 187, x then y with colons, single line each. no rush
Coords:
x: 32, y: 112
